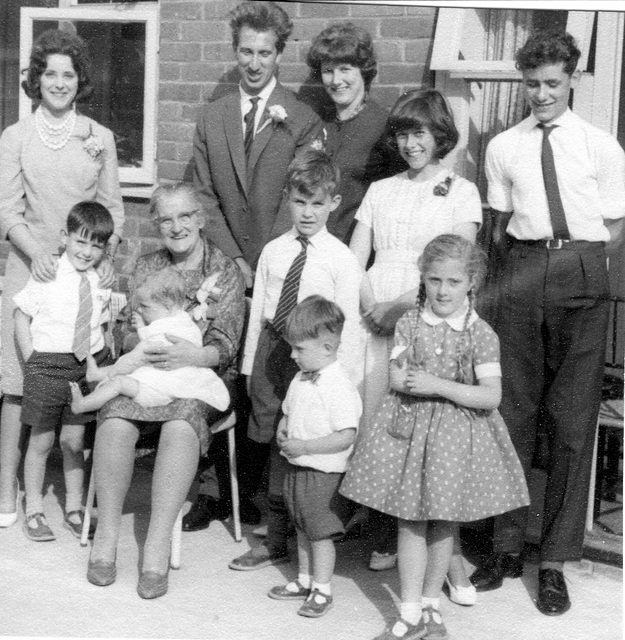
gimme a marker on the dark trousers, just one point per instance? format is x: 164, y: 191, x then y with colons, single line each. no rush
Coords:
x: 553, y: 322
x: 272, y: 374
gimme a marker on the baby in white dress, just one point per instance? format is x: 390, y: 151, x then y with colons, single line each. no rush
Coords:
x: 160, y: 311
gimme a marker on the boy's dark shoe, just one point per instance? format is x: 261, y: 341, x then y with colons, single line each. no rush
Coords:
x: 497, y: 567
x: 202, y: 512
x: 553, y: 596
x: 258, y: 558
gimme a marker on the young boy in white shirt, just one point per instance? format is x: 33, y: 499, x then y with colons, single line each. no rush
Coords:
x: 329, y: 269
x: 57, y: 324
x: 321, y: 414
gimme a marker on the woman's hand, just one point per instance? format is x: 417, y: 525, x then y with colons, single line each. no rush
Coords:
x: 420, y: 383
x: 293, y: 447
x: 106, y: 271
x: 112, y: 245
x: 382, y: 317
x: 43, y: 266
x: 181, y: 353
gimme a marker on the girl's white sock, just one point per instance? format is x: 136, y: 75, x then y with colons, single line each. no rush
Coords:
x: 410, y: 611
x: 304, y: 579
x: 326, y: 589
x: 435, y: 603
x: 73, y: 502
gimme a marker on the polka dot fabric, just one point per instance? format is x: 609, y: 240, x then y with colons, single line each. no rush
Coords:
x: 449, y: 462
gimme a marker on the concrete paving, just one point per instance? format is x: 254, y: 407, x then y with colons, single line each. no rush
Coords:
x: 44, y: 592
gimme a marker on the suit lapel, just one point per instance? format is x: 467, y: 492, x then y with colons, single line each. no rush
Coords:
x: 262, y: 138
x: 234, y: 135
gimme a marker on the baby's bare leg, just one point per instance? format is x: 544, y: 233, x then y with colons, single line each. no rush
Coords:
x: 95, y: 373
x: 117, y: 386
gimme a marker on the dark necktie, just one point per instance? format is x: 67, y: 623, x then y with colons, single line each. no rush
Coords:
x: 556, y: 210
x: 249, y: 119
x: 82, y: 329
x: 290, y: 288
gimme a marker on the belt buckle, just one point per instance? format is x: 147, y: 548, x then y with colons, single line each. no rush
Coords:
x: 556, y: 243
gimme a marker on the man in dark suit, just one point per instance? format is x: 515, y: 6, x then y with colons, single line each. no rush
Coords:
x: 243, y: 145
x: 242, y: 150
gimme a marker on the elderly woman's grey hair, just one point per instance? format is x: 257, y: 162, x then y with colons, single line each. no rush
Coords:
x: 167, y: 191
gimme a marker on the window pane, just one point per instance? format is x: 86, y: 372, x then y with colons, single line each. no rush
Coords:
x: 117, y: 51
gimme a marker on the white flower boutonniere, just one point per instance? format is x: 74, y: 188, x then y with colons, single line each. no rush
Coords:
x: 276, y: 115
x: 318, y: 144
x: 442, y: 188
x: 93, y: 144
x: 207, y: 291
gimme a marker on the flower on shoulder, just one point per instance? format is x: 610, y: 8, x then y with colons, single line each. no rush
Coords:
x: 207, y: 292
x: 442, y: 188
x: 276, y: 115
x: 92, y: 144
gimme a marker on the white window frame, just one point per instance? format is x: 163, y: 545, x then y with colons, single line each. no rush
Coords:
x: 137, y: 12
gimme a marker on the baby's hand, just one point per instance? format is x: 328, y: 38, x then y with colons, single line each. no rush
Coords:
x: 421, y: 383
x: 137, y: 321
x: 293, y: 447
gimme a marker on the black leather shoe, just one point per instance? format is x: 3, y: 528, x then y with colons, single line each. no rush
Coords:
x: 250, y: 513
x: 202, y: 512
x: 553, y: 596
x: 497, y: 567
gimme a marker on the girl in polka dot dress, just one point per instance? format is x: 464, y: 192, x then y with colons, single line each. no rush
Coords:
x: 437, y: 452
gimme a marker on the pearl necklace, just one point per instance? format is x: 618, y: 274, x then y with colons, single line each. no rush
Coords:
x: 55, y: 136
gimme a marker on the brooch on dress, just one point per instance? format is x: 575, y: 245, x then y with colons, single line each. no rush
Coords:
x: 442, y: 188
x: 207, y: 291
x: 93, y: 144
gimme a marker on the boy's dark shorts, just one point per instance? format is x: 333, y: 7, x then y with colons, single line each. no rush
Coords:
x: 314, y: 503
x: 46, y: 388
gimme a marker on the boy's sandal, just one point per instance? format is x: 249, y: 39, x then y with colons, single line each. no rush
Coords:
x: 434, y: 624
x: 76, y: 527
x: 316, y: 605
x: 40, y: 532
x: 284, y: 593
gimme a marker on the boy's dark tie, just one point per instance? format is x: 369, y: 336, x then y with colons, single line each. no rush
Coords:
x: 249, y: 119
x: 290, y: 288
x: 82, y: 329
x: 556, y: 210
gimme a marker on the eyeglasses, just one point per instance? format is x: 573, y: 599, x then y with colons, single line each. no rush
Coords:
x: 184, y: 219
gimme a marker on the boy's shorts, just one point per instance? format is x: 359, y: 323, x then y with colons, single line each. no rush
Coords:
x: 46, y: 400
x: 314, y: 503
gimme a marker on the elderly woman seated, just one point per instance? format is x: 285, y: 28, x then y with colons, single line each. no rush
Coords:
x: 177, y: 213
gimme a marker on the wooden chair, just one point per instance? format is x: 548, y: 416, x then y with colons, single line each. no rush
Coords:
x: 227, y: 423
x: 610, y: 424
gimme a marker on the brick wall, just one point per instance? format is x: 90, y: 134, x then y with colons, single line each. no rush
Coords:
x: 196, y: 64
x: 196, y: 60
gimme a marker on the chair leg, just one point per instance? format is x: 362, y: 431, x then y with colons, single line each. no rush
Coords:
x: 84, y: 537
x: 234, y: 485
x: 176, y: 541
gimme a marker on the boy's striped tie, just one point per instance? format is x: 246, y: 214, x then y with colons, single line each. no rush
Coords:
x: 290, y: 288
x: 82, y: 329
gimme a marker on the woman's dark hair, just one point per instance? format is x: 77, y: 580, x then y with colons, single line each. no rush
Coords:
x: 90, y: 219
x: 427, y: 109
x: 62, y: 43
x: 343, y: 42
x: 548, y: 47
x: 262, y: 17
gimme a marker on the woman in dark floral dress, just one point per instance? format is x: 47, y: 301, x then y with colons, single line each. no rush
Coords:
x: 184, y: 431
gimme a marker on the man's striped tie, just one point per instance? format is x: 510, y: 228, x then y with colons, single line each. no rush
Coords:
x: 290, y: 288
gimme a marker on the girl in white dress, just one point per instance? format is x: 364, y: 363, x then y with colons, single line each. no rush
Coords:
x: 160, y: 315
x: 397, y: 218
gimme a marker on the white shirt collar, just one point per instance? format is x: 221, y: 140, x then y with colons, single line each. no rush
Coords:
x: 294, y: 233
x: 562, y: 121
x: 456, y: 323
x: 263, y: 95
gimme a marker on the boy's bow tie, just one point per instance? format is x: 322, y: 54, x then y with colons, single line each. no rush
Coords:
x: 313, y: 376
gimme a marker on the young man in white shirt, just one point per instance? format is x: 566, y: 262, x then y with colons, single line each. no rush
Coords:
x: 563, y: 182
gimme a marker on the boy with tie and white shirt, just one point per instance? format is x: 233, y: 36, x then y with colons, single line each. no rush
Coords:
x: 57, y: 324
x: 563, y: 182
x: 304, y: 261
